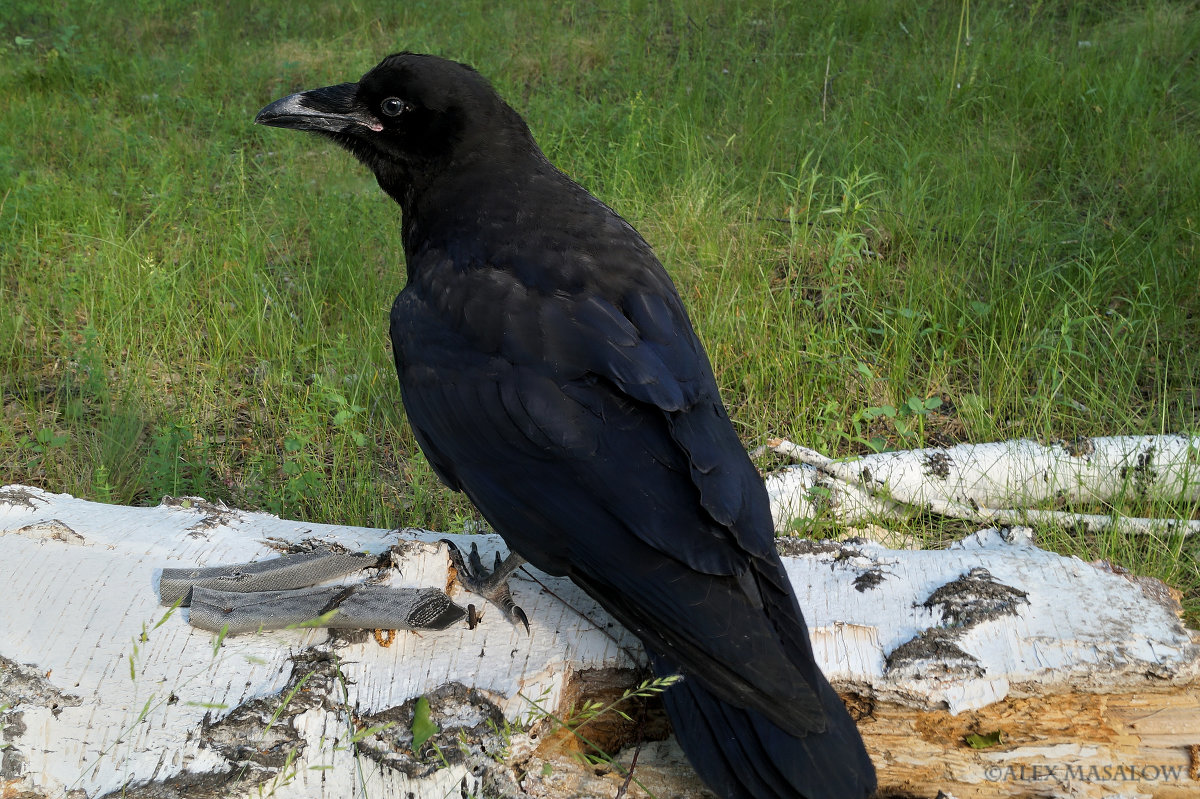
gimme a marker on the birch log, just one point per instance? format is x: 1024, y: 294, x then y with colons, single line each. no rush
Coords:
x: 1076, y: 680
x: 994, y: 483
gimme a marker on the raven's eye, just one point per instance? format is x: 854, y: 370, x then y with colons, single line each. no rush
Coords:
x: 393, y: 106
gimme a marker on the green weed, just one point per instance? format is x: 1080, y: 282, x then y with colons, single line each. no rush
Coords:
x: 577, y: 717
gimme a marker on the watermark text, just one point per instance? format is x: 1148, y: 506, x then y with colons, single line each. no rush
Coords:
x: 1076, y: 772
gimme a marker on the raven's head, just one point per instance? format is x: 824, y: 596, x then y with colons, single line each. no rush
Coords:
x: 408, y: 119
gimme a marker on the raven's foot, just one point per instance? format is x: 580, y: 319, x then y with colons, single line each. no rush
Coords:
x: 493, y: 585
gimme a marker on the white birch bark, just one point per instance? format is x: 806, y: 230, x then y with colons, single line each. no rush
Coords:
x: 99, y: 693
x: 996, y: 483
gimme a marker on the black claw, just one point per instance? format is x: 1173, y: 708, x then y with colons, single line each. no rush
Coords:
x: 493, y: 585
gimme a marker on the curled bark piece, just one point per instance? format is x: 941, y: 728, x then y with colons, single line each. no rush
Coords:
x: 358, y: 607
x: 275, y: 574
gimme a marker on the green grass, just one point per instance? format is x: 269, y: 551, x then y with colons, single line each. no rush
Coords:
x: 862, y: 203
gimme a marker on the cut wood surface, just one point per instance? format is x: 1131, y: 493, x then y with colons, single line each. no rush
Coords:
x: 1072, y: 679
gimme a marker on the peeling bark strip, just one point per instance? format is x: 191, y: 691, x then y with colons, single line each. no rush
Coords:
x: 1071, y: 671
x: 298, y: 570
x: 358, y: 607
x: 996, y: 483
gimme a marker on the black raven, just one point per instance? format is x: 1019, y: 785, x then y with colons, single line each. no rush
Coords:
x: 549, y: 371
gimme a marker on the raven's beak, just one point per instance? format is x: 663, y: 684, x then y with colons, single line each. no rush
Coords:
x: 333, y: 109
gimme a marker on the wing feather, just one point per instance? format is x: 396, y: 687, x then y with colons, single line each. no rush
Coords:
x: 655, y: 510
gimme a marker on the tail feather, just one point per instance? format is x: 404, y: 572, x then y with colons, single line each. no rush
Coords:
x: 742, y: 755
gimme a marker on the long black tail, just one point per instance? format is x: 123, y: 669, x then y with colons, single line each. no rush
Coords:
x: 742, y: 755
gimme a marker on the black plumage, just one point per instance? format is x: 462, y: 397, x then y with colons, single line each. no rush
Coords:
x: 549, y: 371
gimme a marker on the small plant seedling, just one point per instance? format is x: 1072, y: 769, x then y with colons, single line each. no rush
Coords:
x: 423, y: 726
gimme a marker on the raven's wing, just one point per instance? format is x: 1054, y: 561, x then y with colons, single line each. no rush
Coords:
x: 588, y: 430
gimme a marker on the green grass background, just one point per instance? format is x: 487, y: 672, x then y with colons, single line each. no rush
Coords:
x: 895, y: 224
